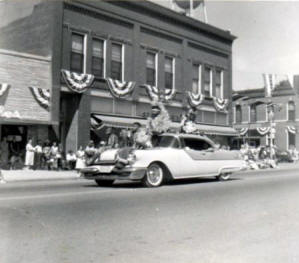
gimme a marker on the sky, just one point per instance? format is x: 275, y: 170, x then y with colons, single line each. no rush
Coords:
x: 267, y: 35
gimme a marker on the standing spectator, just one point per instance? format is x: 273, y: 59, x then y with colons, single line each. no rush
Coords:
x: 29, y: 157
x: 135, y: 130
x: 124, y: 138
x: 80, y: 163
x: 112, y: 138
x: 90, y: 151
x: 71, y: 160
x: 4, y: 152
x: 46, y: 157
x: 54, y: 156
x: 38, y: 156
x: 59, y: 157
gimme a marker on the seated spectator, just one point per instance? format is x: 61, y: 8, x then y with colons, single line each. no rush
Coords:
x: 71, y: 159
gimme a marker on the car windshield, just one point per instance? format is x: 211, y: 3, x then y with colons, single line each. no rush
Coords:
x: 166, y: 141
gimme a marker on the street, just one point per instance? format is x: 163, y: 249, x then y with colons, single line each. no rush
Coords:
x: 254, y: 217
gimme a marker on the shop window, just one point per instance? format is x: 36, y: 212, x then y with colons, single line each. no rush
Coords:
x: 291, y: 111
x: 169, y: 70
x: 117, y: 61
x: 253, y: 116
x: 291, y: 140
x: 98, y: 57
x: 208, y: 82
x: 196, y: 79
x: 151, y: 68
x: 238, y: 114
x: 219, y: 84
x: 77, y: 53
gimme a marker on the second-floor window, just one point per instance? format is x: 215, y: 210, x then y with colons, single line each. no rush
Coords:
x: 238, y: 114
x: 151, y: 68
x: 117, y: 61
x: 219, y: 84
x: 208, y: 82
x: 77, y: 53
x: 253, y: 116
x: 196, y: 79
x: 169, y: 70
x: 291, y: 111
x: 97, y: 64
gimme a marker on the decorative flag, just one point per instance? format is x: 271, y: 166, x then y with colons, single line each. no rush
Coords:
x: 42, y: 96
x: 77, y: 82
x: 120, y: 89
x: 220, y: 104
x: 243, y: 131
x: 152, y: 91
x: 195, y: 100
x: 3, y: 88
x: 291, y: 129
x: 169, y: 93
x: 270, y: 83
x: 263, y: 130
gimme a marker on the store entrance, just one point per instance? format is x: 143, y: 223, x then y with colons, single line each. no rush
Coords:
x: 13, y: 144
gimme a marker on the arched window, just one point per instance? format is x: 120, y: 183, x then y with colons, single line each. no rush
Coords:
x: 253, y: 116
x: 291, y: 111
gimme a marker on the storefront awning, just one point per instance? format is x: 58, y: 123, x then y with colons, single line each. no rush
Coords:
x: 217, y: 130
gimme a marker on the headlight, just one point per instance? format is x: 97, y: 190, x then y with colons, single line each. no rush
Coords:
x: 131, y: 158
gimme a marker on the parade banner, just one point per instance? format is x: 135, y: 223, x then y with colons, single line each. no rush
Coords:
x: 120, y: 89
x: 77, y: 82
x: 270, y: 83
x: 263, y: 130
x: 291, y: 129
x: 220, y: 104
x: 42, y: 96
x: 243, y: 131
x: 3, y: 88
x: 195, y: 100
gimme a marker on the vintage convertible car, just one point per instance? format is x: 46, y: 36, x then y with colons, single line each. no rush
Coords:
x: 174, y: 156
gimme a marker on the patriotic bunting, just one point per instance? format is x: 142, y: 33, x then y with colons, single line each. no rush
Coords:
x: 220, y: 104
x: 263, y: 130
x: 120, y: 89
x: 195, y: 100
x: 169, y: 94
x: 77, y: 82
x: 270, y: 84
x: 243, y: 131
x: 291, y: 129
x: 9, y: 114
x: 3, y: 88
x: 152, y: 91
x: 42, y: 96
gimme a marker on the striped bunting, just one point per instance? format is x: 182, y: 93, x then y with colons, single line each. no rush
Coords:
x: 263, y: 130
x: 77, y: 82
x: 42, y: 96
x: 3, y: 88
x: 220, y: 104
x: 243, y: 131
x: 291, y: 129
x: 120, y: 89
x: 195, y: 100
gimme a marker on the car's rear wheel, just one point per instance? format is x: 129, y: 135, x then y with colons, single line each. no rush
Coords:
x: 104, y: 182
x: 223, y: 177
x: 154, y: 175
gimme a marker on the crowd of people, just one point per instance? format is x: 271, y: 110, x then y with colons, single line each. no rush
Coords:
x: 266, y: 156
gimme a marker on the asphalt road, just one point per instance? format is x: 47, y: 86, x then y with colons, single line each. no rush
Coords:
x: 252, y: 218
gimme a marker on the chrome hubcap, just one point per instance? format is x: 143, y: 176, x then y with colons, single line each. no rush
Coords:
x: 154, y: 174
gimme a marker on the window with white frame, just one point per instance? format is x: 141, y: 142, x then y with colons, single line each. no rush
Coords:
x: 98, y: 58
x: 219, y: 84
x: 77, y: 53
x: 169, y: 72
x: 291, y: 140
x: 151, y: 68
x: 238, y: 112
x: 117, y: 61
x: 208, y: 82
x: 291, y: 111
x: 196, y: 79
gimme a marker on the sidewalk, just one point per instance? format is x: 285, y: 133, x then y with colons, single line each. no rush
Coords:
x: 30, y: 175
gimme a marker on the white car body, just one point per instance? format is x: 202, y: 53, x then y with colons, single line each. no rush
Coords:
x: 181, y: 159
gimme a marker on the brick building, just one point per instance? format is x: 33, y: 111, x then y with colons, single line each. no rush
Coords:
x: 250, y: 115
x: 135, y: 44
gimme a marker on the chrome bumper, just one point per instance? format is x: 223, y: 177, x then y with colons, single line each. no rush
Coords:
x: 126, y: 173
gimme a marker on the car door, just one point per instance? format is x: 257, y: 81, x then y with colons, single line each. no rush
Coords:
x: 198, y: 158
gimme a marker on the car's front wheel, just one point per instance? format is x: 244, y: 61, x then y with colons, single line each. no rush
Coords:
x: 154, y: 175
x: 223, y: 177
x: 104, y: 182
